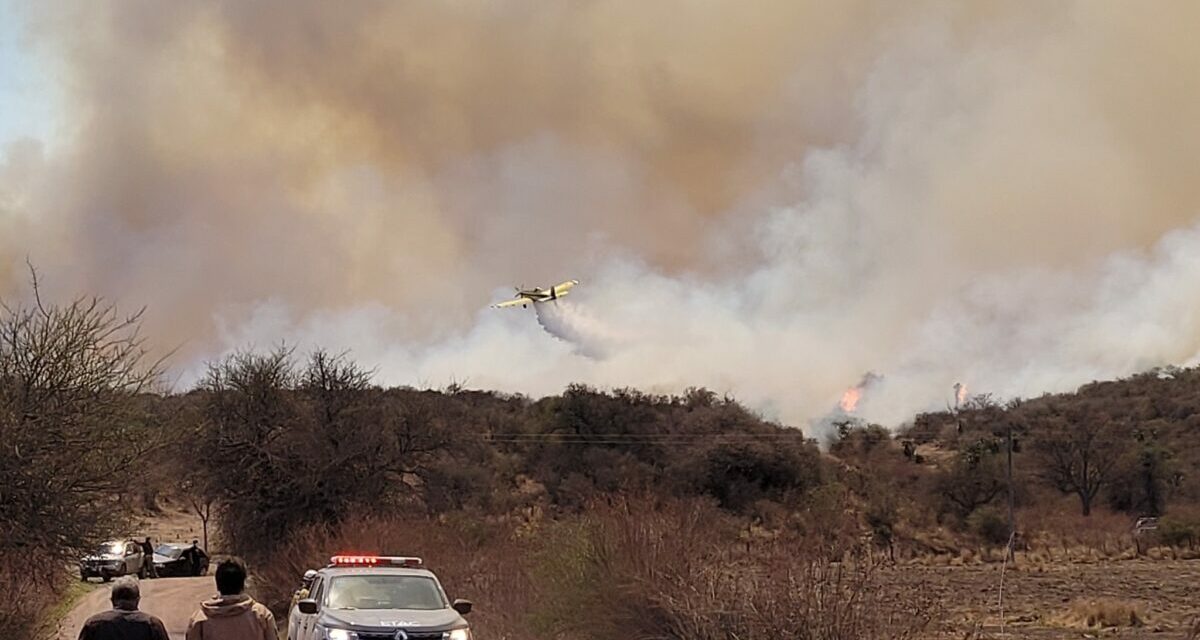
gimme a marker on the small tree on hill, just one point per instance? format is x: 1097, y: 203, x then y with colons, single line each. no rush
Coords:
x: 975, y: 479
x: 1075, y: 453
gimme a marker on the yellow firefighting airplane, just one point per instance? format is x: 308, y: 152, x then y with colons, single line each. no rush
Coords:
x: 526, y: 297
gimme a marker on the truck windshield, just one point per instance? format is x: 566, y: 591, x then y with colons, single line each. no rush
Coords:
x: 385, y: 592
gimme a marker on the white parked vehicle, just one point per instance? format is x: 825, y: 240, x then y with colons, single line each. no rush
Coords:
x: 377, y: 598
x: 113, y: 559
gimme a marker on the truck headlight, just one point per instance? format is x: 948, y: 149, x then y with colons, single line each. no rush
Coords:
x: 459, y: 634
x: 340, y: 634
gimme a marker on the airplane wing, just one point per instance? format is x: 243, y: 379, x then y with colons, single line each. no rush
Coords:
x: 562, y: 289
x: 515, y: 302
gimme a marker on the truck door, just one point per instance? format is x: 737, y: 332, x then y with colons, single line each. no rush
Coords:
x: 133, y: 558
x: 309, y: 620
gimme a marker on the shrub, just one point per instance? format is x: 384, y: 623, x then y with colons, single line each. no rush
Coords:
x: 675, y: 571
x: 738, y: 475
x: 27, y: 590
x: 990, y: 525
x: 1178, y: 532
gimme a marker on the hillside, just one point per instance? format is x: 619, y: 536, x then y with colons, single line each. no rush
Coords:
x: 514, y: 495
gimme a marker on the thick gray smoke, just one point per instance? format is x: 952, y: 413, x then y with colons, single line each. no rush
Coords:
x: 766, y: 201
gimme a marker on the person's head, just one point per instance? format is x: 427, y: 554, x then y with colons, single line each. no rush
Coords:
x: 147, y: 539
x: 195, y: 543
x: 231, y: 577
x: 126, y: 594
x: 309, y: 576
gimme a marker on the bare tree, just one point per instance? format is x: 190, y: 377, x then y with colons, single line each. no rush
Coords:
x: 200, y: 501
x: 1075, y: 453
x: 74, y: 420
x: 972, y: 481
x: 289, y: 446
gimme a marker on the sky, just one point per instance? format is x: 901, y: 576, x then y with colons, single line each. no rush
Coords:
x: 27, y: 101
x: 771, y: 200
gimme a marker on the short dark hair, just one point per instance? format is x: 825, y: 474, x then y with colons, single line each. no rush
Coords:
x: 231, y: 577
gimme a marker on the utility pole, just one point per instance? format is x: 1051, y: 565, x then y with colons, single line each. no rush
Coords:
x: 1012, y: 518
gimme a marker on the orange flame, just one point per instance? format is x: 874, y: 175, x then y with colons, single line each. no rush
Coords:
x: 850, y: 399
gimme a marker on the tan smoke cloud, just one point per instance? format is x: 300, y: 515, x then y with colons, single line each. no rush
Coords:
x: 768, y: 198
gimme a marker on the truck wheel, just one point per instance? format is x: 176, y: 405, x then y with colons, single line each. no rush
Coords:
x: 142, y: 573
x: 106, y: 578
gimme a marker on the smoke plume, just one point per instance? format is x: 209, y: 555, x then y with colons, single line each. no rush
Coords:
x: 766, y: 199
x: 568, y: 322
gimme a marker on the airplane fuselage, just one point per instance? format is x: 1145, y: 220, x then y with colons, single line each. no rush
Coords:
x: 525, y: 297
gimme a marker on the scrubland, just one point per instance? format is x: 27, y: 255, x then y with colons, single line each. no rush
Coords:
x: 608, y: 513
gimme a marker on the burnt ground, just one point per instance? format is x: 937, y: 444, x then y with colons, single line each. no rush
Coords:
x: 1038, y: 599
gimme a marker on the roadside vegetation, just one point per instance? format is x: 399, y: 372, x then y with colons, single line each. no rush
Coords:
x: 76, y: 405
x: 575, y: 515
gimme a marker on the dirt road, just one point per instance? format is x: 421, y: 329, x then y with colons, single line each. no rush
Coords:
x: 172, y: 599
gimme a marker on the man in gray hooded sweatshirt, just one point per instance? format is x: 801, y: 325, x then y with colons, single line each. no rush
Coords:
x: 232, y: 615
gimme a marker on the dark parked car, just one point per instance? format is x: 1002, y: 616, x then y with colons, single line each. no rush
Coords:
x: 113, y: 559
x: 176, y: 560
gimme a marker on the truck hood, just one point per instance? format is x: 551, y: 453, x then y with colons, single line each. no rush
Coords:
x: 104, y: 558
x: 390, y: 619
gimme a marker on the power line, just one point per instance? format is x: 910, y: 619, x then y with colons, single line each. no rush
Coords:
x: 647, y: 436
x: 637, y: 439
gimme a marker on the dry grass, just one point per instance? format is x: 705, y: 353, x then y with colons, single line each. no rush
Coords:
x: 631, y: 568
x: 1060, y: 529
x: 1103, y: 613
x: 676, y: 570
x: 679, y: 570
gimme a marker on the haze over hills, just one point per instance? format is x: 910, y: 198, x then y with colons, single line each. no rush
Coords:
x: 769, y: 202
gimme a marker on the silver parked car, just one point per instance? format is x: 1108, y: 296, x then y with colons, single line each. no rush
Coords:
x: 113, y: 559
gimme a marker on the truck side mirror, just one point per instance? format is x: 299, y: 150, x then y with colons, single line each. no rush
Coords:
x: 307, y: 605
x: 463, y: 607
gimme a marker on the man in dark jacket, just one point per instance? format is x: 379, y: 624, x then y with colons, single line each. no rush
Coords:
x: 192, y: 555
x: 124, y: 621
x: 148, y: 559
